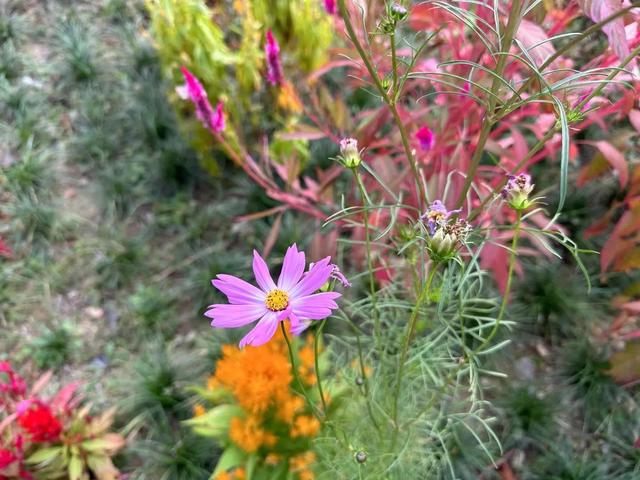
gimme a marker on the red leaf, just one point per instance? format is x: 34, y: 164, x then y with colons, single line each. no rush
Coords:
x: 615, y: 158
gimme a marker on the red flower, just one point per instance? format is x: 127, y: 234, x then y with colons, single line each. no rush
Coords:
x: 7, y: 457
x: 5, y: 250
x: 40, y: 423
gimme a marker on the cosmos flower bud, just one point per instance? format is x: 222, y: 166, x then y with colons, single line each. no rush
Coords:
x: 517, y: 190
x: 397, y: 12
x: 361, y: 457
x: 350, y: 155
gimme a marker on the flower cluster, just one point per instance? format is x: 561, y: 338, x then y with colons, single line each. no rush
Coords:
x: 272, y: 54
x: 272, y: 421
x: 446, y: 233
x: 39, y: 432
x: 194, y: 91
x: 39, y: 422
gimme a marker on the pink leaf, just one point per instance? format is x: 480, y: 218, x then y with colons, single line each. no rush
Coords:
x: 530, y: 35
x: 615, y: 159
x: 634, y: 118
x: 598, y: 10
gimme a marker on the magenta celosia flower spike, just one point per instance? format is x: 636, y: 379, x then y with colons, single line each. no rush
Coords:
x: 274, y: 67
x: 426, y: 138
x: 194, y: 90
x: 330, y: 7
x: 295, y: 297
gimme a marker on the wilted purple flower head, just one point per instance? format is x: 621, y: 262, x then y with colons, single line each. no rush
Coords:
x: 336, y: 274
x: 293, y: 297
x: 274, y: 67
x: 426, y: 138
x: 195, y: 92
x: 517, y: 191
x: 349, y: 152
x: 437, y: 215
x: 330, y: 7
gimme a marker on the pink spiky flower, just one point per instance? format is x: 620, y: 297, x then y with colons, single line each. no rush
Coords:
x: 294, y: 297
x: 194, y: 91
x: 274, y: 66
x: 426, y: 138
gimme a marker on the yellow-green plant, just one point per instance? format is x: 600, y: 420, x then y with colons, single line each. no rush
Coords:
x: 224, y: 48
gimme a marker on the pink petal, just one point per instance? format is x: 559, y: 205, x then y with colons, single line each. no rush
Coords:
x: 233, y: 316
x: 261, y: 271
x: 315, y: 278
x: 297, y: 326
x: 262, y: 332
x: 238, y: 291
x: 292, y: 268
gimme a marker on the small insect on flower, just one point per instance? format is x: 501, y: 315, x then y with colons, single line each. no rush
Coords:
x: 349, y: 153
x: 294, y: 297
x: 274, y: 66
x: 426, y: 138
x: 517, y: 190
x: 194, y: 91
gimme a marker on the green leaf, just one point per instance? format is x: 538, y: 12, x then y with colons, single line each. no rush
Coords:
x: 75, y: 468
x: 109, y: 442
x: 230, y: 458
x: 215, y: 423
x: 102, y: 467
x: 45, y: 455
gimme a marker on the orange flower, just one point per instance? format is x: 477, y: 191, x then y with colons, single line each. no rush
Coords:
x: 305, y: 426
x: 288, y: 98
x: 258, y: 377
x: 199, y: 410
x: 249, y: 435
x: 301, y: 464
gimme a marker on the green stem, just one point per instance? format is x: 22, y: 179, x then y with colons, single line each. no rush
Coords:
x: 411, y: 326
x: 394, y: 68
x: 487, y: 124
x: 507, y: 290
x: 294, y: 370
x: 367, y: 233
x: 388, y: 100
x: 317, y: 367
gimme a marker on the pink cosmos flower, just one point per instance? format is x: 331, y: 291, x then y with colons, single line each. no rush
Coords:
x: 194, y: 90
x: 274, y: 67
x: 293, y: 297
x: 426, y: 138
x: 330, y: 7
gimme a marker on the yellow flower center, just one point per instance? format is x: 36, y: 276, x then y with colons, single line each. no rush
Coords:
x: 277, y: 300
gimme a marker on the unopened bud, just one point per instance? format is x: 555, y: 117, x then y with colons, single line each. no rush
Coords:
x: 361, y: 457
x: 359, y: 381
x: 349, y: 152
x: 397, y: 12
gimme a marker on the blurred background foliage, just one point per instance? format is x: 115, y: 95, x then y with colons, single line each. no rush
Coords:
x: 116, y: 228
